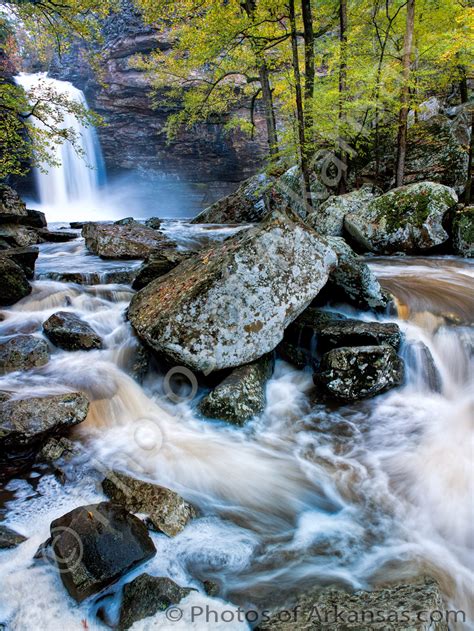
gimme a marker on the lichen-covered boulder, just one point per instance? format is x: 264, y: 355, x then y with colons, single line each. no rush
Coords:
x: 118, y: 241
x: 463, y: 232
x: 11, y: 206
x: 95, y: 545
x: 407, y: 219
x: 23, y: 352
x: 24, y: 257
x: 14, y: 284
x: 245, y: 205
x: 146, y: 595
x: 66, y: 330
x: 158, y: 265
x: 241, y: 395
x: 360, y: 372
x: 229, y: 305
x: 328, y: 219
x: 168, y: 512
x: 24, y: 422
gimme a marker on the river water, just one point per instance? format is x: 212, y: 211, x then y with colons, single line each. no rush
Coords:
x: 306, y: 494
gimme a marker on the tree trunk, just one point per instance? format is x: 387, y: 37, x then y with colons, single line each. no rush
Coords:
x: 468, y: 192
x: 309, y: 64
x: 405, y: 94
x: 302, y: 150
x: 269, y: 109
x: 342, y: 188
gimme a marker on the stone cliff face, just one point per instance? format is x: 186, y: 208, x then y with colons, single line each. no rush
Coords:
x: 209, y: 161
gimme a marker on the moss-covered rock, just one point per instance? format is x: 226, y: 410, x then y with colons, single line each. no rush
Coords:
x: 14, y: 284
x: 407, y: 219
x: 241, y: 395
x: 463, y: 232
x: 23, y: 352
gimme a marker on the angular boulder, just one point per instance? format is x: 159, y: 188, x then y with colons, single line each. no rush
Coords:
x: 55, y: 236
x: 24, y: 257
x: 328, y: 219
x: 316, y: 332
x: 229, y: 305
x: 168, y: 512
x: 67, y: 331
x: 154, y: 223
x: 24, y: 422
x: 95, y: 545
x: 361, y: 372
x: 130, y: 241
x: 396, y: 607
x: 463, y: 232
x: 14, y: 284
x: 35, y: 219
x: 17, y: 236
x: 146, y: 595
x: 12, y: 208
x: 23, y: 352
x: 407, y: 219
x: 9, y: 538
x: 241, y: 395
x: 158, y: 265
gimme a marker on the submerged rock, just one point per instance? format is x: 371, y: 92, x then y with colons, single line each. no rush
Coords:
x: 229, y: 305
x: 23, y: 352
x: 24, y: 422
x: 168, y: 512
x: 131, y: 241
x: 56, y: 236
x: 24, y: 257
x: 241, y: 395
x: 11, y: 206
x: 9, y: 538
x: 353, y: 373
x: 95, y: 545
x: 407, y: 219
x: 146, y: 595
x: 397, y: 607
x: 158, y: 265
x: 70, y: 333
x: 328, y: 219
x: 463, y: 232
x: 14, y: 284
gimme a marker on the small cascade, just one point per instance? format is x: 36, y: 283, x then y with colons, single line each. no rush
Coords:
x: 78, y: 175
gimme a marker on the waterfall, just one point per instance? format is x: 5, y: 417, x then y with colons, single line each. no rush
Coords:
x: 76, y: 176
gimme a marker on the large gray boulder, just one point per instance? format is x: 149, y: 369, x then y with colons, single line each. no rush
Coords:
x: 24, y: 422
x: 407, y: 219
x: 66, y: 330
x: 328, y: 219
x: 95, y: 545
x: 231, y: 304
x: 463, y: 232
x: 396, y: 607
x: 241, y: 395
x: 167, y: 511
x: 14, y: 284
x: 158, y: 265
x: 353, y: 373
x: 23, y: 352
x: 118, y: 241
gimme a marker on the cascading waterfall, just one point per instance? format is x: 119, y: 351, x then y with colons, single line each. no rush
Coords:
x: 78, y: 175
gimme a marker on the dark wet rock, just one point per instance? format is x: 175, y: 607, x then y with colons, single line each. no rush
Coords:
x: 212, y: 588
x: 353, y: 373
x: 108, y: 277
x: 24, y: 422
x: 23, y: 352
x: 418, y: 354
x: 316, y: 332
x: 158, y: 265
x: 395, y: 607
x: 328, y: 219
x: 56, y: 236
x: 70, y: 333
x: 154, y: 223
x: 230, y: 304
x: 17, y: 236
x: 95, y: 545
x: 14, y: 284
x: 78, y: 225
x: 24, y: 257
x: 407, y: 219
x: 9, y: 538
x: 463, y: 232
x: 35, y: 219
x: 168, y: 512
x: 352, y: 281
x: 241, y: 395
x: 12, y: 208
x: 146, y: 595
x: 245, y: 205
x: 56, y: 448
x: 131, y: 241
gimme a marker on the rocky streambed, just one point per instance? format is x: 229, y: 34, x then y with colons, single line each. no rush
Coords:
x: 252, y: 419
